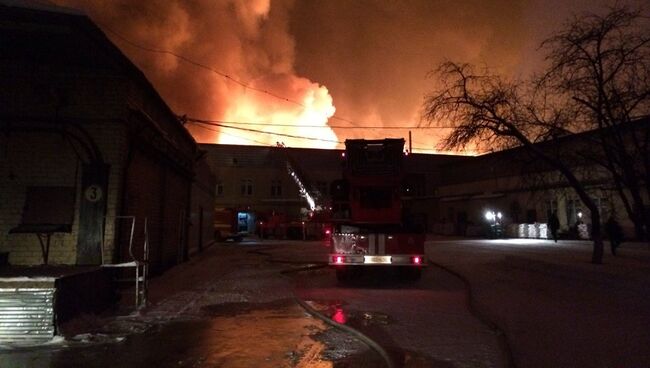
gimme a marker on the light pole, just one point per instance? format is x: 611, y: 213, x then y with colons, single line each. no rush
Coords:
x: 494, y: 220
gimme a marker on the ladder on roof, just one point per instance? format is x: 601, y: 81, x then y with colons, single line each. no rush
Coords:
x: 140, y: 266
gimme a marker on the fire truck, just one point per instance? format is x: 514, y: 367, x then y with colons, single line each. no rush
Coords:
x: 371, y: 224
x: 312, y: 221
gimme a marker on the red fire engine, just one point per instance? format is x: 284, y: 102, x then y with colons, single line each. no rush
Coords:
x: 371, y: 225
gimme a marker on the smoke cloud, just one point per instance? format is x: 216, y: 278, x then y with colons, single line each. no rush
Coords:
x: 369, y: 58
x: 374, y: 56
x: 247, y: 41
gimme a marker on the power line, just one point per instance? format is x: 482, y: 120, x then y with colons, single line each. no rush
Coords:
x: 275, y: 133
x: 236, y: 136
x: 211, y: 122
x: 225, y: 124
x: 222, y: 74
x: 434, y: 151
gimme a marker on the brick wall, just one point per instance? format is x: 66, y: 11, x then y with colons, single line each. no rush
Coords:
x: 201, y: 230
x: 30, y: 159
x: 47, y: 159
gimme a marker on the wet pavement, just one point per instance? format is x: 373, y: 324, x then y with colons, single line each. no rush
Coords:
x: 419, y: 324
x: 237, y: 312
x: 555, y: 307
x: 235, y: 307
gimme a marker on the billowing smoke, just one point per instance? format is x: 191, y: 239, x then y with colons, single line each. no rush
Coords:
x: 373, y: 56
x: 245, y: 41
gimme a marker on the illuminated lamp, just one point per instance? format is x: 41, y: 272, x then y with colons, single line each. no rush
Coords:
x: 417, y: 260
x: 338, y: 259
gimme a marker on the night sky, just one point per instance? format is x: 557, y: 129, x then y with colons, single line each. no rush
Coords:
x: 322, y: 64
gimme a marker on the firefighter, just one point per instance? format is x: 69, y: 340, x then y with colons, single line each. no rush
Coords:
x: 554, y: 225
x: 614, y: 232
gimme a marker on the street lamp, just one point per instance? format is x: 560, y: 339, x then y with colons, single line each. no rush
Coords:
x: 494, y: 220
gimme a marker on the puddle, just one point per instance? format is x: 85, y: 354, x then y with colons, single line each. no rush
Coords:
x: 277, y: 334
x: 371, y: 323
x: 338, y: 312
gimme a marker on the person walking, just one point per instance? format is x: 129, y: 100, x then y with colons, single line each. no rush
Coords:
x: 554, y: 225
x: 614, y: 232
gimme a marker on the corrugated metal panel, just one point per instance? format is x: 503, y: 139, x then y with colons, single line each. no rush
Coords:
x: 26, y: 314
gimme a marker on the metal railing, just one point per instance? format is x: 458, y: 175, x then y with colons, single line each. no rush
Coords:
x: 141, y: 266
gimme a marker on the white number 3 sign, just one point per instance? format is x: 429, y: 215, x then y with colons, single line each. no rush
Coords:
x: 93, y: 193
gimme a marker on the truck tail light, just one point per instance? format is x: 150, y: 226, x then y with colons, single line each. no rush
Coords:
x: 416, y: 260
x: 338, y: 259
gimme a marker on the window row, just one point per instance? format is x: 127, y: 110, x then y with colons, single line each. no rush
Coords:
x: 246, y: 188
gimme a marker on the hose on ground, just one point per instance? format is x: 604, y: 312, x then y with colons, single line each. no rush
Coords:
x: 358, y: 334
x: 502, y: 338
x: 365, y: 339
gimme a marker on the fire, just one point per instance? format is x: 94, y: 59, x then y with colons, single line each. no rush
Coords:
x: 242, y: 57
x: 308, y: 105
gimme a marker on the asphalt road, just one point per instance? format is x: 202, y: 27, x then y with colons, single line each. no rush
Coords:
x: 555, y: 308
x: 234, y: 307
x: 423, y: 323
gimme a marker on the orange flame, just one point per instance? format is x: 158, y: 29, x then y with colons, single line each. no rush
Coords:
x: 299, y: 121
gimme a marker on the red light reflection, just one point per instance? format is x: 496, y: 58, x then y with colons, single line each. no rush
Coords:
x: 339, y: 316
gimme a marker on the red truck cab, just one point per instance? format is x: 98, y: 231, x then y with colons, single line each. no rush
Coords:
x: 369, y: 223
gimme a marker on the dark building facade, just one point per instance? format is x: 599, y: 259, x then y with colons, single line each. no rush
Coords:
x: 446, y: 194
x: 86, y: 143
x: 254, y: 181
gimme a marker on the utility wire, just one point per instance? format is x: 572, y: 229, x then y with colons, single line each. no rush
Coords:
x: 276, y: 133
x: 211, y: 122
x: 224, y: 124
x: 236, y: 136
x: 280, y: 134
x: 224, y: 75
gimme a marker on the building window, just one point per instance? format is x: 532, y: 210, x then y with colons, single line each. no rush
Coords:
x: 276, y: 188
x: 247, y: 187
x: 219, y: 189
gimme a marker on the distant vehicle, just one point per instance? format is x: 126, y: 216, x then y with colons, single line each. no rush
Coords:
x: 313, y: 222
x: 315, y: 226
x: 371, y: 227
x: 225, y: 225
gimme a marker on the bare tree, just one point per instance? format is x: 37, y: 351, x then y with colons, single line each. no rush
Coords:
x: 487, y: 110
x: 600, y: 67
x: 598, y: 78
